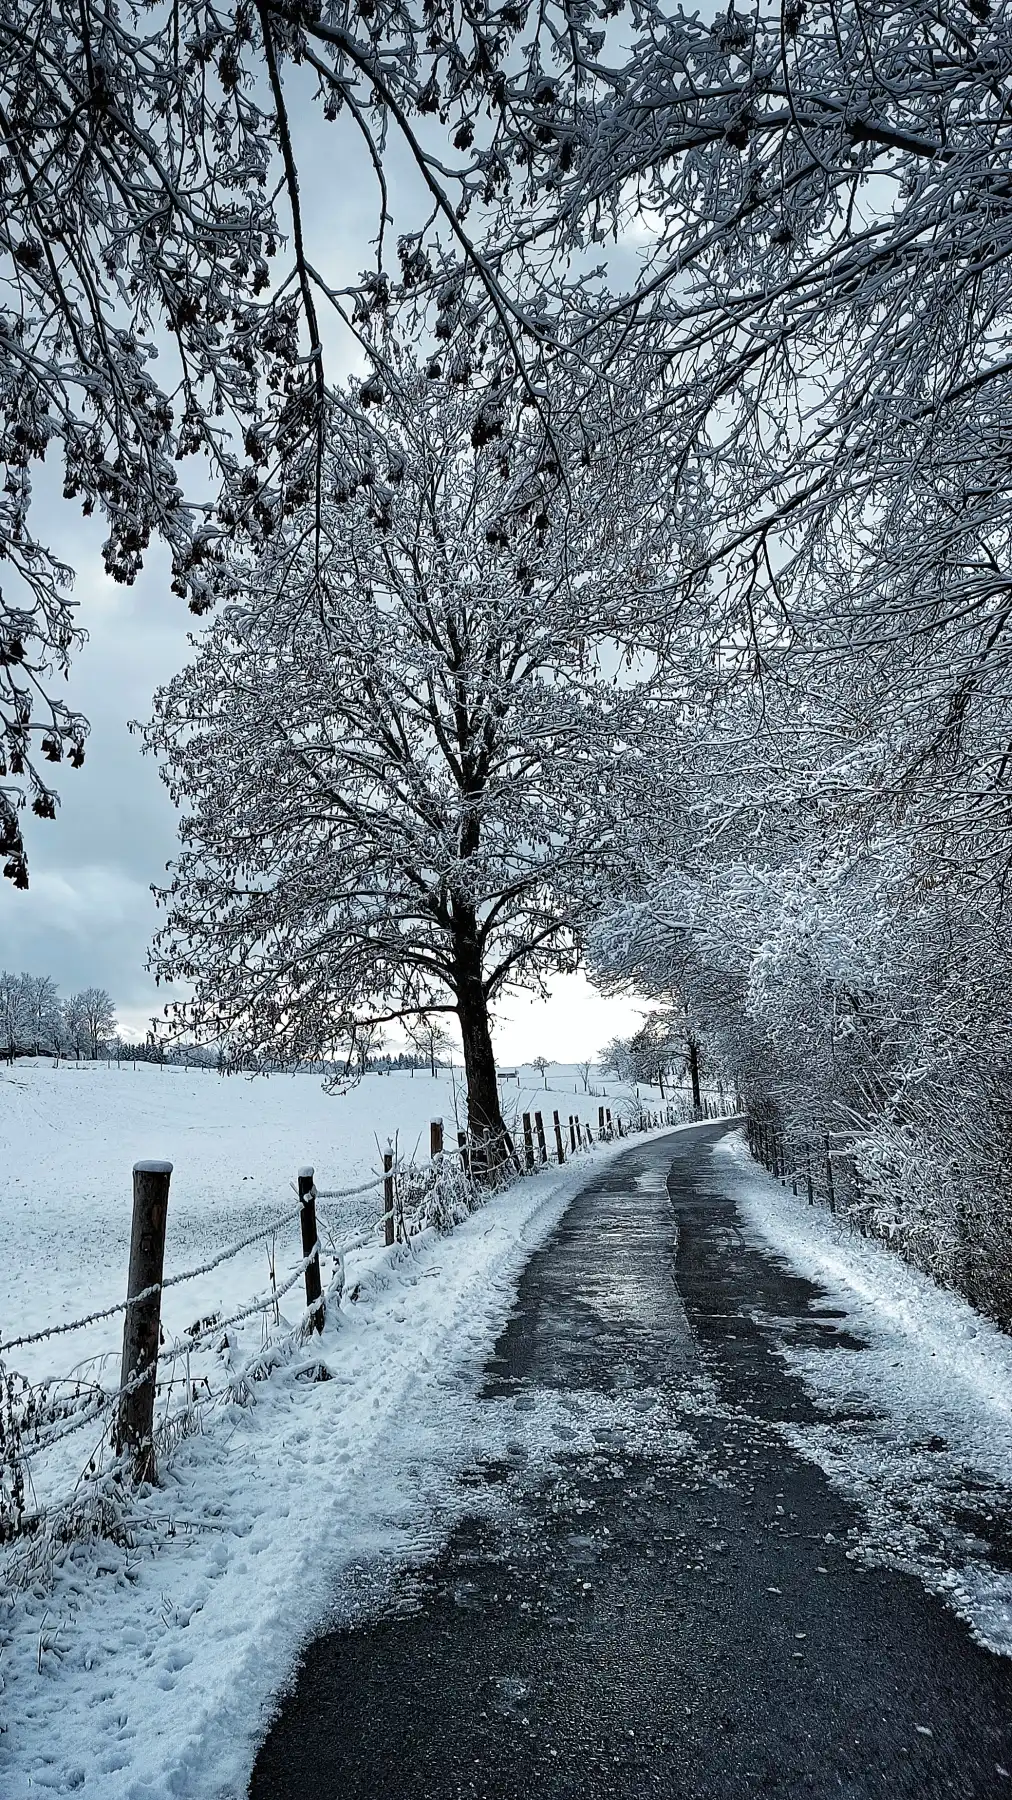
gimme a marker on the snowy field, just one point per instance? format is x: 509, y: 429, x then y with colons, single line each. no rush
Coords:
x: 918, y: 1424
x: 69, y: 1137
x: 144, y: 1668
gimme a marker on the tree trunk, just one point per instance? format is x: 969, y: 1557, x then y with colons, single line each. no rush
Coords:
x: 694, y: 1073
x: 484, y: 1115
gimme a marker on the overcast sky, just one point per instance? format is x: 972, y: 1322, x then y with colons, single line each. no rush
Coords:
x: 89, y: 914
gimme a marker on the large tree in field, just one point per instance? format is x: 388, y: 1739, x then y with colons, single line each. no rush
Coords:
x: 411, y: 756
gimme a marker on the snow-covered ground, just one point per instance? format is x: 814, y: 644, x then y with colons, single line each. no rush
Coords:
x: 69, y: 1137
x: 918, y: 1423
x: 143, y: 1669
x: 146, y: 1668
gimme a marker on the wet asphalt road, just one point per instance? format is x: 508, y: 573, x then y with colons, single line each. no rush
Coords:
x: 673, y: 1618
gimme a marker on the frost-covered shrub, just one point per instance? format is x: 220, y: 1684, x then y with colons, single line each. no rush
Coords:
x: 440, y: 1194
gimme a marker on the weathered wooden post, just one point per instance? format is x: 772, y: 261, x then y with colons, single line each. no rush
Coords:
x: 572, y: 1135
x: 310, y: 1246
x: 435, y: 1138
x: 141, y: 1326
x: 558, y: 1138
x: 539, y: 1126
x: 618, y: 1122
x: 611, y: 1128
x: 465, y: 1157
x: 388, y: 1197
x: 600, y: 1121
x: 528, y: 1141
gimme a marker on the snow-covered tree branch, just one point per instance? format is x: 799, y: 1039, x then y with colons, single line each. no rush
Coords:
x: 412, y: 755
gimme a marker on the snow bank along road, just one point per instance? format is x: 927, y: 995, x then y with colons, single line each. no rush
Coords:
x: 652, y: 1585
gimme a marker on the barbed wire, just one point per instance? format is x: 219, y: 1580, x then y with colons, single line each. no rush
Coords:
x: 62, y: 1328
x: 351, y: 1193
x: 198, y: 1340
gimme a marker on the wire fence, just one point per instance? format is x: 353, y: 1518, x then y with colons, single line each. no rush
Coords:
x: 215, y: 1361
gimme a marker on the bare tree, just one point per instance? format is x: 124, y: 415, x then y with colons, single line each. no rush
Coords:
x: 428, y: 1037
x: 542, y: 1064
x: 42, y: 1012
x: 399, y: 762
x: 91, y: 1020
x: 15, y: 1021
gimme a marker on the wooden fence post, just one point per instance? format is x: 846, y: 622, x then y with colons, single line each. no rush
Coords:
x: 611, y: 1128
x: 539, y: 1126
x: 465, y: 1158
x: 528, y: 1141
x: 388, y: 1197
x: 307, y: 1218
x: 136, y: 1413
x: 572, y: 1135
x: 435, y: 1138
x: 558, y: 1138
x: 600, y: 1121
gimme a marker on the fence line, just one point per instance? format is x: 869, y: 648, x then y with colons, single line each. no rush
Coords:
x: 412, y: 1196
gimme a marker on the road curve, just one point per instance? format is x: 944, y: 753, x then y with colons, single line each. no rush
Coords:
x: 667, y: 1616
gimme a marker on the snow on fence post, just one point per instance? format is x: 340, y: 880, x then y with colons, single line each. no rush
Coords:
x: 528, y: 1142
x: 539, y: 1126
x: 388, y: 1197
x: 311, y: 1247
x: 141, y: 1326
x: 558, y: 1138
x: 435, y: 1138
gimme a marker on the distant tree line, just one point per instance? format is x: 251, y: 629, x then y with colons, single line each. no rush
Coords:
x: 35, y: 1021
